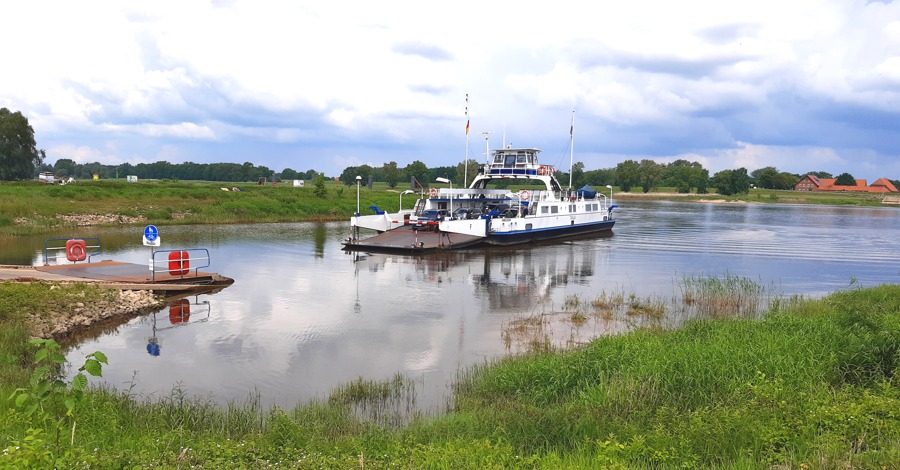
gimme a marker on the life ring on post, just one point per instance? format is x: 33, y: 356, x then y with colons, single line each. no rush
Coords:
x: 542, y: 170
x: 524, y: 194
x: 76, y: 250
x: 433, y: 192
x: 179, y: 263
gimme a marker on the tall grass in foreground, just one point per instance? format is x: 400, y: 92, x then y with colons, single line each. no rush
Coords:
x: 809, y: 384
x: 814, y: 382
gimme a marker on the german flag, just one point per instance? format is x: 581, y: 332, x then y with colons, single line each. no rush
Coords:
x: 467, y: 127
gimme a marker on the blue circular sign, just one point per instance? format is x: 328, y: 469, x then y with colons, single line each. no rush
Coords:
x: 150, y: 233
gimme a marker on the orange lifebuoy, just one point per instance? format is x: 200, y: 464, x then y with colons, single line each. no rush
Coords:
x: 76, y: 250
x: 180, y: 311
x: 433, y: 192
x: 542, y: 170
x: 524, y: 194
x: 179, y: 263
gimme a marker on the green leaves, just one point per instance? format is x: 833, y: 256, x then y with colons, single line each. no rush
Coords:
x: 51, y: 403
x: 93, y: 367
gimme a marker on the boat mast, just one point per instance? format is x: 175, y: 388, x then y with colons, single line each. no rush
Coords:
x: 487, y: 148
x: 466, y: 170
x: 571, y: 148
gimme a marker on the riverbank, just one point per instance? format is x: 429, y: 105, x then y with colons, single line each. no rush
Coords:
x: 30, y: 208
x: 813, y: 384
x: 769, y: 196
x: 62, y: 310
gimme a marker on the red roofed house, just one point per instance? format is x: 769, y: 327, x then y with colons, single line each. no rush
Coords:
x: 814, y: 183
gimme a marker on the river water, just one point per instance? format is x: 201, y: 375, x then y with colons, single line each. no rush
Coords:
x: 303, y: 316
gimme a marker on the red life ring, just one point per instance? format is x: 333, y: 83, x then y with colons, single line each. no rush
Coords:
x: 433, y: 192
x: 179, y: 263
x: 76, y: 250
x: 542, y: 170
x: 524, y: 194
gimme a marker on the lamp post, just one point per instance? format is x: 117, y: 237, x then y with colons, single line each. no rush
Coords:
x: 610, y: 192
x: 358, y: 179
x: 408, y: 191
x: 445, y: 180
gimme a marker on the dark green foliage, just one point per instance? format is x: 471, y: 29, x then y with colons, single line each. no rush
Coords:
x: 19, y: 155
x: 628, y: 175
x: 651, y: 173
x: 845, y: 179
x: 730, y: 182
x: 320, y: 191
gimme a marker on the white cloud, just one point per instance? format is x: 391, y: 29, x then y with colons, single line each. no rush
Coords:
x: 767, y: 83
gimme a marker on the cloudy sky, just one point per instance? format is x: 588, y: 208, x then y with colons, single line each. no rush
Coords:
x: 801, y: 85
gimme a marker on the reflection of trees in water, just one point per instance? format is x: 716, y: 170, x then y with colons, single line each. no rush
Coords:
x: 319, y: 236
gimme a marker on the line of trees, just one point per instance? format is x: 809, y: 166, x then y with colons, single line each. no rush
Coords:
x: 20, y: 159
x: 247, y: 171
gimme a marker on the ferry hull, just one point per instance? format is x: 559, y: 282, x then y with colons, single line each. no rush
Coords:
x: 551, y: 233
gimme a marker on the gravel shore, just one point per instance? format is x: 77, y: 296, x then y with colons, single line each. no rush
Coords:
x: 79, y: 317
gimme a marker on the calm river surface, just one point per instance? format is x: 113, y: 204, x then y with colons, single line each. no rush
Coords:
x: 303, y: 316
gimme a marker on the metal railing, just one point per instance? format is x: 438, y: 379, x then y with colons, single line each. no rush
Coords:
x: 59, y: 244
x: 185, y: 265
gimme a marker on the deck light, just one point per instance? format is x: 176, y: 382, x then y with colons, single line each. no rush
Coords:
x: 408, y: 191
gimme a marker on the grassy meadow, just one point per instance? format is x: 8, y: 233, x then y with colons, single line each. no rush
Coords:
x: 31, y: 207
x: 809, y: 383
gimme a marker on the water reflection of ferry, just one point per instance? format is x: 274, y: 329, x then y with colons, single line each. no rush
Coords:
x: 458, y: 218
x: 511, y: 279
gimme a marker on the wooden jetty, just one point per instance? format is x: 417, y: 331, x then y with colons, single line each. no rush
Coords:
x: 116, y: 275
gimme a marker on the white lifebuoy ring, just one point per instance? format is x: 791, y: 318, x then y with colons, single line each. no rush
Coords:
x: 433, y: 192
x: 524, y: 194
x: 76, y: 250
x: 542, y: 170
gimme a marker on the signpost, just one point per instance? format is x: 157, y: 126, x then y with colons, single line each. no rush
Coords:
x: 151, y: 236
x: 151, y: 239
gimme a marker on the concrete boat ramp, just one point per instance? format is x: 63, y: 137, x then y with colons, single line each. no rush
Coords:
x: 412, y: 240
x: 117, y: 275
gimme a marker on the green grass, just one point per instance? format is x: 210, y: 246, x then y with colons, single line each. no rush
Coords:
x: 30, y: 207
x: 812, y: 383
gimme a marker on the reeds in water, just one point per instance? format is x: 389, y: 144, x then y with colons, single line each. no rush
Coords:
x: 616, y: 312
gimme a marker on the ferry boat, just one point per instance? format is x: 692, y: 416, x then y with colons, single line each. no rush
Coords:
x: 462, y: 217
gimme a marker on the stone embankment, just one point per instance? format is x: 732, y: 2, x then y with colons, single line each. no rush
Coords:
x: 80, y: 316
